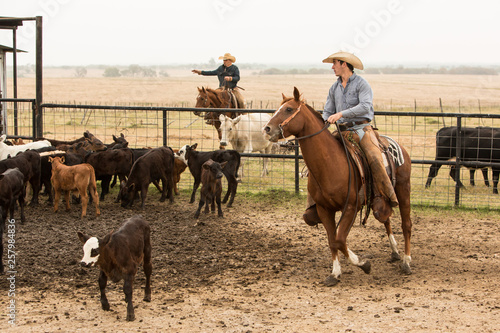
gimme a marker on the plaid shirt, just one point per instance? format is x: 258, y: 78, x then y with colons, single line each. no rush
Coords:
x: 355, y: 101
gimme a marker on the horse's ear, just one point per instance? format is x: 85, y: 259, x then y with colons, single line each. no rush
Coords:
x: 283, y: 95
x: 222, y: 118
x: 203, y: 90
x: 236, y: 120
x: 296, y: 94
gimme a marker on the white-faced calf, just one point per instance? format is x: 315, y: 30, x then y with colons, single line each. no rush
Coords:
x: 118, y: 256
x: 211, y: 189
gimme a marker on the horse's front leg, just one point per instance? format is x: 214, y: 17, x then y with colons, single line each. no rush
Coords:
x: 392, y: 242
x: 337, y: 240
x: 328, y: 220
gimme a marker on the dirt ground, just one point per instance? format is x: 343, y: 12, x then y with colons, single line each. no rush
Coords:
x: 258, y: 269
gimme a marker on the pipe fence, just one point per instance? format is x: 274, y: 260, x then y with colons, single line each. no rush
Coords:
x: 148, y: 126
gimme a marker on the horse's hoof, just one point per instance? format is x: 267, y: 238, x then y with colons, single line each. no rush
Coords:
x: 366, y: 267
x: 405, y: 268
x: 331, y: 281
x: 395, y: 257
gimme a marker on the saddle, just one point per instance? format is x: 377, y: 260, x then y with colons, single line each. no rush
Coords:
x: 391, y: 154
x: 227, y: 98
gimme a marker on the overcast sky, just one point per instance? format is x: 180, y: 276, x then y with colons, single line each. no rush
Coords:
x: 147, y: 32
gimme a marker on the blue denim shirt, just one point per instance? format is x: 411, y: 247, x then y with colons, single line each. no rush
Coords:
x: 355, y: 101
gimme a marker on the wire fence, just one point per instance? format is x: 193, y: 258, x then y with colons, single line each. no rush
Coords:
x: 147, y: 126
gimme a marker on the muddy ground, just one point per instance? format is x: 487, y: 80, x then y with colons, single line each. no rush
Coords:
x: 258, y: 269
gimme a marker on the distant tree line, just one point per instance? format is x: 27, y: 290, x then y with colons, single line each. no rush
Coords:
x: 293, y: 71
x: 133, y: 71
x: 460, y: 70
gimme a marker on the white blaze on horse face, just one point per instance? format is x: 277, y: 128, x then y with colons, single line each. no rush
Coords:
x: 277, y: 111
x: 91, y: 244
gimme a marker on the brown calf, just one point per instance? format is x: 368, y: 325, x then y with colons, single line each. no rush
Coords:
x: 118, y: 256
x: 12, y: 189
x: 211, y: 189
x: 76, y: 178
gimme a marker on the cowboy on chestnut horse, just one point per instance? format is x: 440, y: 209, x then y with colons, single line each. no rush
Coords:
x: 350, y: 103
x: 228, y: 75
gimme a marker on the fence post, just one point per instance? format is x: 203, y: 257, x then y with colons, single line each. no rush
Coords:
x: 164, y: 118
x: 33, y: 120
x: 458, y: 154
x: 39, y: 76
x: 297, y: 177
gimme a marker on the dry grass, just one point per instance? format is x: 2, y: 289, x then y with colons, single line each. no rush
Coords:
x: 392, y: 92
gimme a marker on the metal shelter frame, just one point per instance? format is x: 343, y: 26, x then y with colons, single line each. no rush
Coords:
x: 12, y: 23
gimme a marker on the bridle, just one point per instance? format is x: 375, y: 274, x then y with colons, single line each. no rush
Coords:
x: 287, y: 121
x: 205, y: 100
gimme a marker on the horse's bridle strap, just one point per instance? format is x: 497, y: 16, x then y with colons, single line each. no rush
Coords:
x: 287, y: 120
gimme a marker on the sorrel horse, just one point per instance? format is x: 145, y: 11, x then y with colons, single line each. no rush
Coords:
x: 334, y: 183
x: 218, y: 99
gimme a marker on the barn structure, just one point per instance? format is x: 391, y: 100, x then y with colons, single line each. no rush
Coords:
x: 3, y: 85
x: 13, y: 23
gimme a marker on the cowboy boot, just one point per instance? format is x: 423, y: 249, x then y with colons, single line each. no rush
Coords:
x: 370, y: 147
x: 311, y: 216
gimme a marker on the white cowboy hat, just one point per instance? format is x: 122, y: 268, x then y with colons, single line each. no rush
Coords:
x: 347, y: 57
x: 228, y: 56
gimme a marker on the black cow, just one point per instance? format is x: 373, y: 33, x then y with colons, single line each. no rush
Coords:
x: 156, y: 164
x: 108, y: 163
x: 12, y: 189
x: 118, y: 256
x: 29, y: 163
x: 211, y: 189
x: 195, y: 160
x: 479, y: 144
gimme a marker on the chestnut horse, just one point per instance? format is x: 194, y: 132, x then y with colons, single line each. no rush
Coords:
x: 218, y: 99
x: 334, y: 183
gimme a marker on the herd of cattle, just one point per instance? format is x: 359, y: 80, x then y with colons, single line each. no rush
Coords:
x: 75, y: 166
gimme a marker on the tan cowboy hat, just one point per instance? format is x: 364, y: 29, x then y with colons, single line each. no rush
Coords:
x: 228, y: 56
x: 347, y: 57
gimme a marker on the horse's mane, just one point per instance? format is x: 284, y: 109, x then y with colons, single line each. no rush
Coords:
x: 218, y: 94
x: 316, y: 113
